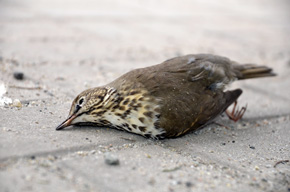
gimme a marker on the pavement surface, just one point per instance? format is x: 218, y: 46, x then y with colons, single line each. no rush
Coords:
x: 63, y: 47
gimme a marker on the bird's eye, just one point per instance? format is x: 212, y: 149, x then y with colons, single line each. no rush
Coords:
x: 81, y: 101
x: 78, y: 105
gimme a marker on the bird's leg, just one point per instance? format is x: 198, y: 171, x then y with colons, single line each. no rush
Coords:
x: 236, y: 115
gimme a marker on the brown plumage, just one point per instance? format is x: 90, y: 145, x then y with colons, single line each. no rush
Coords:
x: 165, y: 100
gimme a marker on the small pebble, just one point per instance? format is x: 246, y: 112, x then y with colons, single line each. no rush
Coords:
x: 174, y: 182
x: 148, y: 156
x: 82, y: 153
x: 6, y: 129
x: 18, y: 75
x: 17, y: 103
x: 92, y: 151
x: 152, y: 181
x: 27, y: 177
x: 252, y: 147
x: 14, y: 62
x: 111, y: 159
x: 188, y: 184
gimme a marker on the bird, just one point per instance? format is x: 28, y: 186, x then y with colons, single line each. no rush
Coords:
x: 166, y: 100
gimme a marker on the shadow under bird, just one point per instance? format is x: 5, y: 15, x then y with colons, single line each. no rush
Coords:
x: 166, y: 100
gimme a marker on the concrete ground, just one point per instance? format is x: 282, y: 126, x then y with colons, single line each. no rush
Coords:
x: 64, y: 47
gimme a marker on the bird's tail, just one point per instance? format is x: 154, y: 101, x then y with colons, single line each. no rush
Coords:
x: 248, y: 71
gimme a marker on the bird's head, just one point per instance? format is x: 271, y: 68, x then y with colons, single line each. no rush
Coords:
x: 89, y: 105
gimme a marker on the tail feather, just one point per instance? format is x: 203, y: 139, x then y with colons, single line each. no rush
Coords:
x: 249, y: 71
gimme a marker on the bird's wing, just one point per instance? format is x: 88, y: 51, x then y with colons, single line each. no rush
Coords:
x: 213, y: 71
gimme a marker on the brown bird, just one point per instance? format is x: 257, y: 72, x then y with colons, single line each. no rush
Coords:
x: 165, y: 100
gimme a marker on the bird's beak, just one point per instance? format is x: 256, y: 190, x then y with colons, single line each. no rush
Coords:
x: 67, y: 122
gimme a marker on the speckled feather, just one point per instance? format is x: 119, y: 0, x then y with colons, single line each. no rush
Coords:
x: 166, y: 100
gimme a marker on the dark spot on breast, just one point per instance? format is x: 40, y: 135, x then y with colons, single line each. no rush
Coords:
x: 104, y: 122
x: 119, y: 99
x: 126, y: 101
x: 148, y: 114
x: 126, y: 113
x: 132, y: 104
x: 98, y: 113
x: 141, y: 99
x: 115, y: 107
x: 126, y: 126
x: 147, y: 135
x: 99, y: 107
x: 134, y: 126
x: 147, y: 107
x: 118, y: 114
x: 122, y: 108
x: 157, y: 125
x: 134, y: 92
x: 141, y: 119
x: 142, y: 128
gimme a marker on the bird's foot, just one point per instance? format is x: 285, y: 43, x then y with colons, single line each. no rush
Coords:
x: 236, y: 115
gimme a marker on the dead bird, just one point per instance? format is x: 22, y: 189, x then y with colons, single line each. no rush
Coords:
x: 166, y: 100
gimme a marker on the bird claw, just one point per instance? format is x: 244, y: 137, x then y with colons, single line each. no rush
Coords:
x: 236, y: 115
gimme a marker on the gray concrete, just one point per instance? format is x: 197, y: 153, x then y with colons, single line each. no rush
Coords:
x: 64, y: 47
